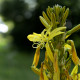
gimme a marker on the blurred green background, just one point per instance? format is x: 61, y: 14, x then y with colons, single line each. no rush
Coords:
x: 20, y: 18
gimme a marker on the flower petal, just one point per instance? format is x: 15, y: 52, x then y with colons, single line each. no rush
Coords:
x: 78, y: 76
x: 56, y: 32
x: 67, y: 46
x: 36, y: 57
x: 34, y: 37
x: 36, y: 70
x: 49, y: 52
x: 75, y: 70
x: 41, y: 72
x: 45, y: 76
x: 75, y: 58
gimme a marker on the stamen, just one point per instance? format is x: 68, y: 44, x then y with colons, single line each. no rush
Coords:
x: 36, y: 45
x: 42, y: 45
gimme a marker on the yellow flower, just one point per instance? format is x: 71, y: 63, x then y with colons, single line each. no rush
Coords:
x: 56, y: 63
x: 72, y: 52
x: 45, y: 36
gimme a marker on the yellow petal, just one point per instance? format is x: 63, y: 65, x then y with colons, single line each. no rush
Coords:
x: 58, y: 29
x: 75, y: 58
x: 45, y: 76
x: 78, y: 76
x: 41, y: 72
x: 75, y: 70
x: 67, y: 36
x: 49, y: 52
x: 36, y: 70
x: 34, y: 37
x: 36, y: 57
x: 56, y: 32
x: 67, y: 46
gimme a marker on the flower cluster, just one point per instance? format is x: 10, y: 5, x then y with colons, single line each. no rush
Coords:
x: 59, y: 52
